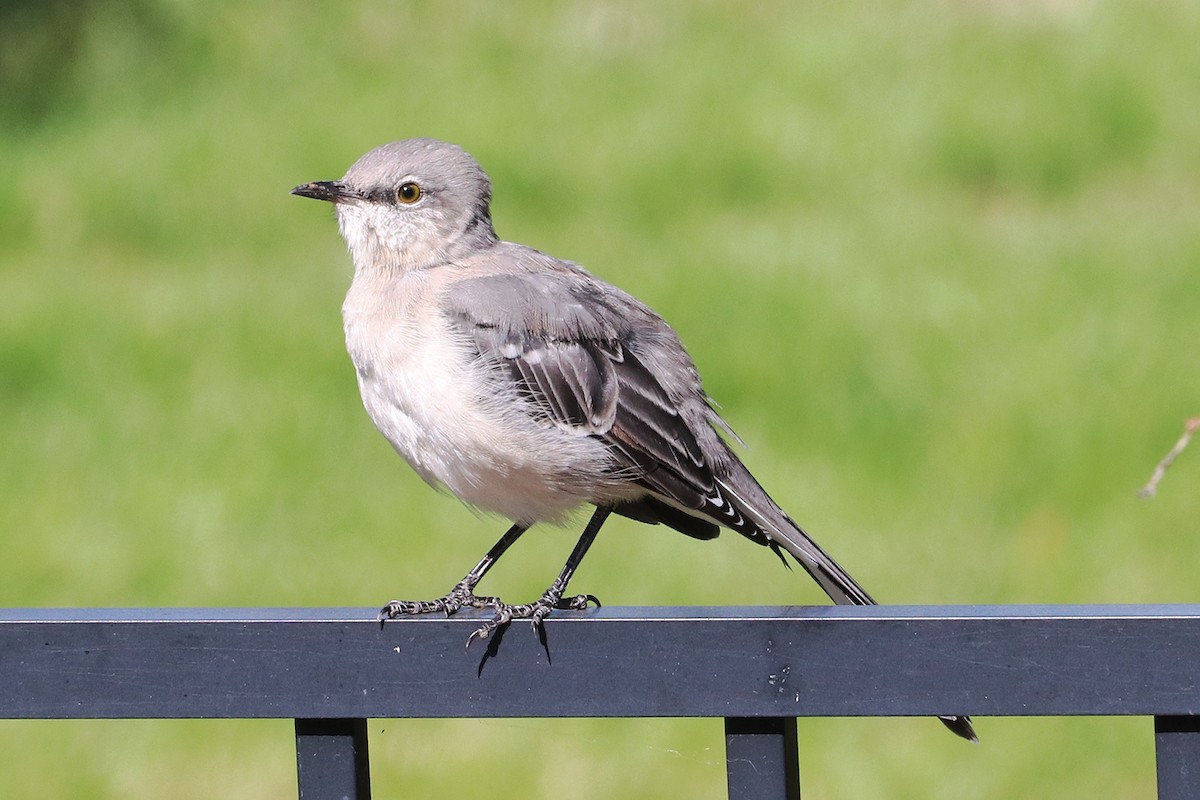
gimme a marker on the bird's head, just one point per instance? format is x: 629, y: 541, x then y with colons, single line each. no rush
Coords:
x: 408, y: 205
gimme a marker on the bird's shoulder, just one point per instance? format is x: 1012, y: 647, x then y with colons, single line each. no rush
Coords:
x: 561, y: 332
x: 518, y: 289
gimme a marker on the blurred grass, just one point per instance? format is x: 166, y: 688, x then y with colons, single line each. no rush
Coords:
x: 937, y: 262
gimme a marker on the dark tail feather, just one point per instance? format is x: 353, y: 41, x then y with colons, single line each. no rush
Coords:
x: 961, y: 726
x: 756, y: 505
x: 753, y: 501
x: 836, y: 582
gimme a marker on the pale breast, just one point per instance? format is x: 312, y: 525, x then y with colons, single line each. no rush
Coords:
x: 445, y: 413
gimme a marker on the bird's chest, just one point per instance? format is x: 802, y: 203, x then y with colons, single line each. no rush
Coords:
x: 411, y: 372
x: 452, y: 420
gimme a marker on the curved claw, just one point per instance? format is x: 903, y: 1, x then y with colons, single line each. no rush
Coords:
x: 394, y: 609
x: 482, y: 632
x: 536, y: 612
x: 578, y: 603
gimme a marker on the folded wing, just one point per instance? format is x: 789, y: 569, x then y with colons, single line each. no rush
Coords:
x: 579, y: 354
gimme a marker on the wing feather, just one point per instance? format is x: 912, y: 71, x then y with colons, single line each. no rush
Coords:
x: 582, y: 365
x: 585, y: 376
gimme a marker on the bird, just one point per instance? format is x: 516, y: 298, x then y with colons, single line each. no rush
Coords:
x: 529, y: 388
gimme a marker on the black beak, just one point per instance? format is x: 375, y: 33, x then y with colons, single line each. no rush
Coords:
x: 330, y: 191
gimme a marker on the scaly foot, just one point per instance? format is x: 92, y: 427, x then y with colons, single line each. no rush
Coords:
x: 535, y: 612
x: 461, y: 596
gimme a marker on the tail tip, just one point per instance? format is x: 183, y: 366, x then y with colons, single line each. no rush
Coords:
x: 961, y: 726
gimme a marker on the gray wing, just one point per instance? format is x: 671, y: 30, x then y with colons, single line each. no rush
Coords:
x: 570, y: 346
x: 586, y: 358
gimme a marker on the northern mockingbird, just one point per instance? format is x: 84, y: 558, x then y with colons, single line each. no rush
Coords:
x: 526, y: 386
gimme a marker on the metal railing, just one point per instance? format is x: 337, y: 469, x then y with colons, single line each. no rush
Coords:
x: 759, y: 668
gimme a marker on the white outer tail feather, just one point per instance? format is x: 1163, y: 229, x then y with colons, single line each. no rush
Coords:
x: 836, y: 582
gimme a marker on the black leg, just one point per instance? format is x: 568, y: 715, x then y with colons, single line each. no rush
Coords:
x: 536, y: 611
x: 463, y: 593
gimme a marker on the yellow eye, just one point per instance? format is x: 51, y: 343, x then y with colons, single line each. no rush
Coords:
x: 408, y: 193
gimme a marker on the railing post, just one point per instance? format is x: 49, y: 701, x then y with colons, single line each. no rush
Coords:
x: 1177, y: 745
x: 331, y: 759
x: 761, y: 758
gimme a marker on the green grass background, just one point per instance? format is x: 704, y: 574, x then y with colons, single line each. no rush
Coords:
x: 939, y: 262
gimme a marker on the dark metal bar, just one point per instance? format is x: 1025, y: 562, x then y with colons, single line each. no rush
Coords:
x: 1177, y: 744
x: 634, y: 662
x: 761, y: 757
x: 331, y: 759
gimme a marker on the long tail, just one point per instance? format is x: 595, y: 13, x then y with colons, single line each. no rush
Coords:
x: 756, y: 505
x: 758, y: 508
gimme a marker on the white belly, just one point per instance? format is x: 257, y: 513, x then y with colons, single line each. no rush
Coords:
x: 441, y: 413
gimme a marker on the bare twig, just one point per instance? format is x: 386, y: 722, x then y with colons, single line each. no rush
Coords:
x: 1189, y: 428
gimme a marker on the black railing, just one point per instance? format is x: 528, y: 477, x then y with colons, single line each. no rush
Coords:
x: 759, y: 668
